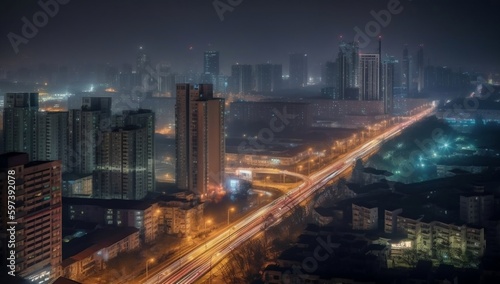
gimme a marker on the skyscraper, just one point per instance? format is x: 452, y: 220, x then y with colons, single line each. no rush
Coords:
x: 199, y: 139
x: 329, y: 77
x: 211, y: 63
x: 211, y: 68
x: 268, y: 77
x: 348, y: 70
x: 85, y: 126
x: 38, y: 215
x: 241, y: 78
x: 420, y: 69
x: 122, y: 164
x: 53, y: 137
x: 388, y: 83
x: 369, y: 77
x: 20, y: 122
x: 406, y: 72
x: 298, y: 70
x: 209, y: 153
x: 144, y: 118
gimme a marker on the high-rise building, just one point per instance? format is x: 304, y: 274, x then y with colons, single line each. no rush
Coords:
x: 85, y: 126
x: 388, y: 79
x: 53, y: 137
x: 420, y: 69
x: 209, y: 154
x: 211, y: 63
x: 142, y: 61
x: 37, y: 221
x: 199, y: 139
x: 406, y: 72
x: 211, y: 68
x: 144, y: 118
x: 121, y: 170
x: 329, y: 77
x: 241, y: 78
x: 298, y: 70
x: 263, y: 77
x: 268, y: 77
x: 20, y: 121
x: 369, y: 77
x: 348, y: 70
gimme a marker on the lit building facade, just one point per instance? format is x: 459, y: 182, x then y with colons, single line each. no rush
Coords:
x: 53, y: 137
x: 122, y: 164
x: 298, y: 70
x: 348, y: 70
x: 364, y: 217
x: 142, y: 215
x: 85, y: 126
x: 38, y: 215
x: 369, y: 77
x: 200, y: 139
x: 20, y: 121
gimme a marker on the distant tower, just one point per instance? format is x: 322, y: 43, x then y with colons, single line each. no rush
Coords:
x: 268, y: 77
x: 298, y: 70
x: 211, y: 68
x: 241, y: 78
x: 211, y: 63
x: 369, y: 77
x: 406, y: 71
x: 20, y: 121
x: 420, y: 69
x: 348, y: 70
x: 388, y: 81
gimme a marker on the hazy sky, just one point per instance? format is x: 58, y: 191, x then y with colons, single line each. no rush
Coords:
x: 455, y: 33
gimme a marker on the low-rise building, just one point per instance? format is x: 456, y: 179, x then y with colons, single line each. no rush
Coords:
x: 88, y: 254
x: 142, y: 215
x: 180, y: 214
x: 364, y: 217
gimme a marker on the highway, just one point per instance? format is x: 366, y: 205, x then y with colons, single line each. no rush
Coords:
x: 200, y: 260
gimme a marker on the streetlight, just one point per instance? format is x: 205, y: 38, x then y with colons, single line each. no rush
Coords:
x: 147, y: 266
x: 207, y: 221
x: 229, y: 210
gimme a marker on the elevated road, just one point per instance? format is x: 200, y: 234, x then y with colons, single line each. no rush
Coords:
x: 200, y: 260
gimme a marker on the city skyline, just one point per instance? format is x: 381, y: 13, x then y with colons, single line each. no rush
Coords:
x: 316, y: 29
x: 238, y: 141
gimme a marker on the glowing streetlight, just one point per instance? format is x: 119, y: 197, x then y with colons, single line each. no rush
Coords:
x: 209, y: 221
x: 151, y: 260
x: 229, y: 210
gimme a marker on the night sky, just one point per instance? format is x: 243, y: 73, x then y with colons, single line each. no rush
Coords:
x: 455, y: 33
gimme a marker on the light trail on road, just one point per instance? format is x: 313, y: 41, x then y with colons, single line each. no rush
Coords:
x: 201, y: 260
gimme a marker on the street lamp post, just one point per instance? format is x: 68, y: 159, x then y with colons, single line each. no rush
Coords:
x: 228, y: 211
x: 147, y: 266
